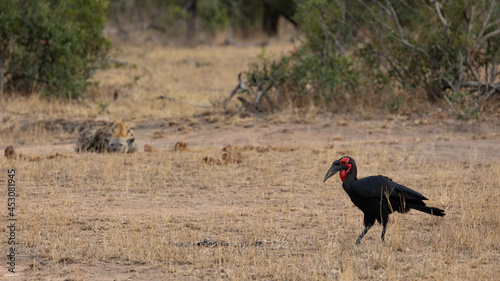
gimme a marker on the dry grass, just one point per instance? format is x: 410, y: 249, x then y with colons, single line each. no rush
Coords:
x: 125, y: 211
x: 158, y: 82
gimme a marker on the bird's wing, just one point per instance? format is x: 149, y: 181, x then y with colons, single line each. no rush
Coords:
x: 407, y: 193
x: 376, y: 186
x: 369, y: 186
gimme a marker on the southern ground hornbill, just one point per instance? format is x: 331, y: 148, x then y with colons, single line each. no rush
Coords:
x: 377, y: 196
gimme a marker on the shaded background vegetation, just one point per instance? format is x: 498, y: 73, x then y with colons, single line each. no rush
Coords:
x: 383, y: 52
x: 448, y: 51
x: 52, y: 46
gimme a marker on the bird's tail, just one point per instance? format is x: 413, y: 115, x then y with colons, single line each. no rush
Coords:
x: 429, y: 210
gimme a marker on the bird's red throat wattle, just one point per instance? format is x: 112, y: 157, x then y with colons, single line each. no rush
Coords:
x: 343, y: 174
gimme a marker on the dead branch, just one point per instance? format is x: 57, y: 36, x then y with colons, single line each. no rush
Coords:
x: 481, y: 84
x: 245, y: 103
x: 481, y: 38
x: 256, y: 89
x: 116, y: 61
x: 240, y: 86
x: 398, y: 35
x: 262, y: 93
x: 448, y: 101
x: 489, y: 88
x: 489, y: 35
x: 440, y: 15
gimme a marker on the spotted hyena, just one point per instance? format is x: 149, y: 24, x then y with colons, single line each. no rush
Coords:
x: 109, y: 137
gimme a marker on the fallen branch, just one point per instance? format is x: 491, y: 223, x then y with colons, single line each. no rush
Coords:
x: 489, y: 88
x: 255, y: 88
x: 481, y: 84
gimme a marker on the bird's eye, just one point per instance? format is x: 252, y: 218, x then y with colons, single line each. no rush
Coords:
x: 344, y: 161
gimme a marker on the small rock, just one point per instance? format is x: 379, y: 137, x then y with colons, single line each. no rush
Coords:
x: 180, y: 146
x: 149, y: 148
x: 10, y: 152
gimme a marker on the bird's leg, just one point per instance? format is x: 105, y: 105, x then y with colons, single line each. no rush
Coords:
x: 384, y: 224
x: 363, y: 233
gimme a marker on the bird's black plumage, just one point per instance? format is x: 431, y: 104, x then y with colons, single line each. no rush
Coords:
x: 377, y: 196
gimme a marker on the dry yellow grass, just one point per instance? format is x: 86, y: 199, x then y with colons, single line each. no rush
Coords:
x: 125, y: 211
x: 117, y: 217
x: 158, y: 82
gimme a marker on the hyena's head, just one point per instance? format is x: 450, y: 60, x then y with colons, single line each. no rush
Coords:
x: 122, y: 139
x: 119, y: 144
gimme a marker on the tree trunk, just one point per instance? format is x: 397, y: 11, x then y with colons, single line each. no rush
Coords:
x: 191, y: 8
x: 272, y: 12
x: 271, y: 18
x: 1, y: 76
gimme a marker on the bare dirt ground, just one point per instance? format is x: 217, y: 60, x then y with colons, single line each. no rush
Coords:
x: 449, y: 139
x: 139, y: 216
x: 117, y: 218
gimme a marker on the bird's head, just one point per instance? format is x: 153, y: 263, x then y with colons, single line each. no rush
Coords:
x: 344, y: 165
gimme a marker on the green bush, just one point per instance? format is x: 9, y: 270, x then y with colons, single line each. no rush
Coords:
x: 298, y: 79
x: 441, y: 48
x: 319, y: 71
x: 213, y: 15
x: 432, y: 45
x: 53, y: 46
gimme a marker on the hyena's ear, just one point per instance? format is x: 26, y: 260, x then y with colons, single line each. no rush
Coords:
x: 130, y: 143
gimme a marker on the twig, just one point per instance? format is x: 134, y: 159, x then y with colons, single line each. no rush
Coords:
x: 488, y: 94
x: 398, y: 35
x: 116, y: 61
x: 448, y: 101
x: 479, y: 84
x: 439, y: 12
x: 489, y: 35
x: 263, y: 92
x: 487, y: 14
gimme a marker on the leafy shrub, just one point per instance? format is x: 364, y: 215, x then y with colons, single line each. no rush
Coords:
x: 433, y: 45
x: 52, y: 45
x: 298, y: 79
x: 445, y: 49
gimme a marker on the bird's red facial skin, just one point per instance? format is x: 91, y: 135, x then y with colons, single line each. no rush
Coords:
x: 343, y: 173
x: 344, y: 161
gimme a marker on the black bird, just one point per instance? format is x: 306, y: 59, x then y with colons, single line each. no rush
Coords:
x: 377, y: 196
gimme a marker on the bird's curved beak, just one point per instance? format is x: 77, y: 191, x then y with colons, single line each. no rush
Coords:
x: 334, y: 169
